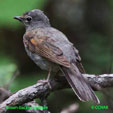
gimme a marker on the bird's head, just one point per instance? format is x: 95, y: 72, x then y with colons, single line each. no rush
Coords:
x: 34, y: 18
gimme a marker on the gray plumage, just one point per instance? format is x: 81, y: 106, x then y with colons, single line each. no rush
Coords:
x: 48, y: 47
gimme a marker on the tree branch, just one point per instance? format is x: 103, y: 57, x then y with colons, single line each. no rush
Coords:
x: 41, y: 89
x: 98, y: 82
x: 73, y: 108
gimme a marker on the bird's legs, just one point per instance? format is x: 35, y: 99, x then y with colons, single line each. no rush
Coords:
x: 49, y: 73
x: 44, y: 98
x: 47, y: 80
x: 48, y: 77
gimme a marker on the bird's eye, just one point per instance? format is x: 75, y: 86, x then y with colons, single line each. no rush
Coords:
x: 29, y: 19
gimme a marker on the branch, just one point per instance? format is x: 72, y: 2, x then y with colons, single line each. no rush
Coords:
x: 71, y: 109
x: 98, y: 82
x: 39, y: 90
x: 33, y: 104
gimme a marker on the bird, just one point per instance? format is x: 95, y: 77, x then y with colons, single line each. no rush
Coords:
x: 51, y: 50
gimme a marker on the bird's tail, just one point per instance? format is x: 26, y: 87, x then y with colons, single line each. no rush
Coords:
x: 79, y: 84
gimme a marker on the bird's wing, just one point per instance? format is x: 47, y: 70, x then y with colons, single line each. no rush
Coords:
x: 45, y: 47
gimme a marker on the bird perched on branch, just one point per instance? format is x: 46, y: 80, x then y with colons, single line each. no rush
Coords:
x: 52, y: 51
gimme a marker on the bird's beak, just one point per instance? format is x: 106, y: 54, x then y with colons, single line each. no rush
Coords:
x: 18, y: 18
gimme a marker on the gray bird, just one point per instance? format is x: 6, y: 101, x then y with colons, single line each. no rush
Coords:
x: 52, y: 51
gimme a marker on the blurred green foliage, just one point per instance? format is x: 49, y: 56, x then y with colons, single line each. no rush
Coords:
x: 11, y: 8
x: 98, y: 54
x: 26, y: 80
x: 7, y: 69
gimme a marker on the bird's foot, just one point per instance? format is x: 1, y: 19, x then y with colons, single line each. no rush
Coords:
x: 45, y: 81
